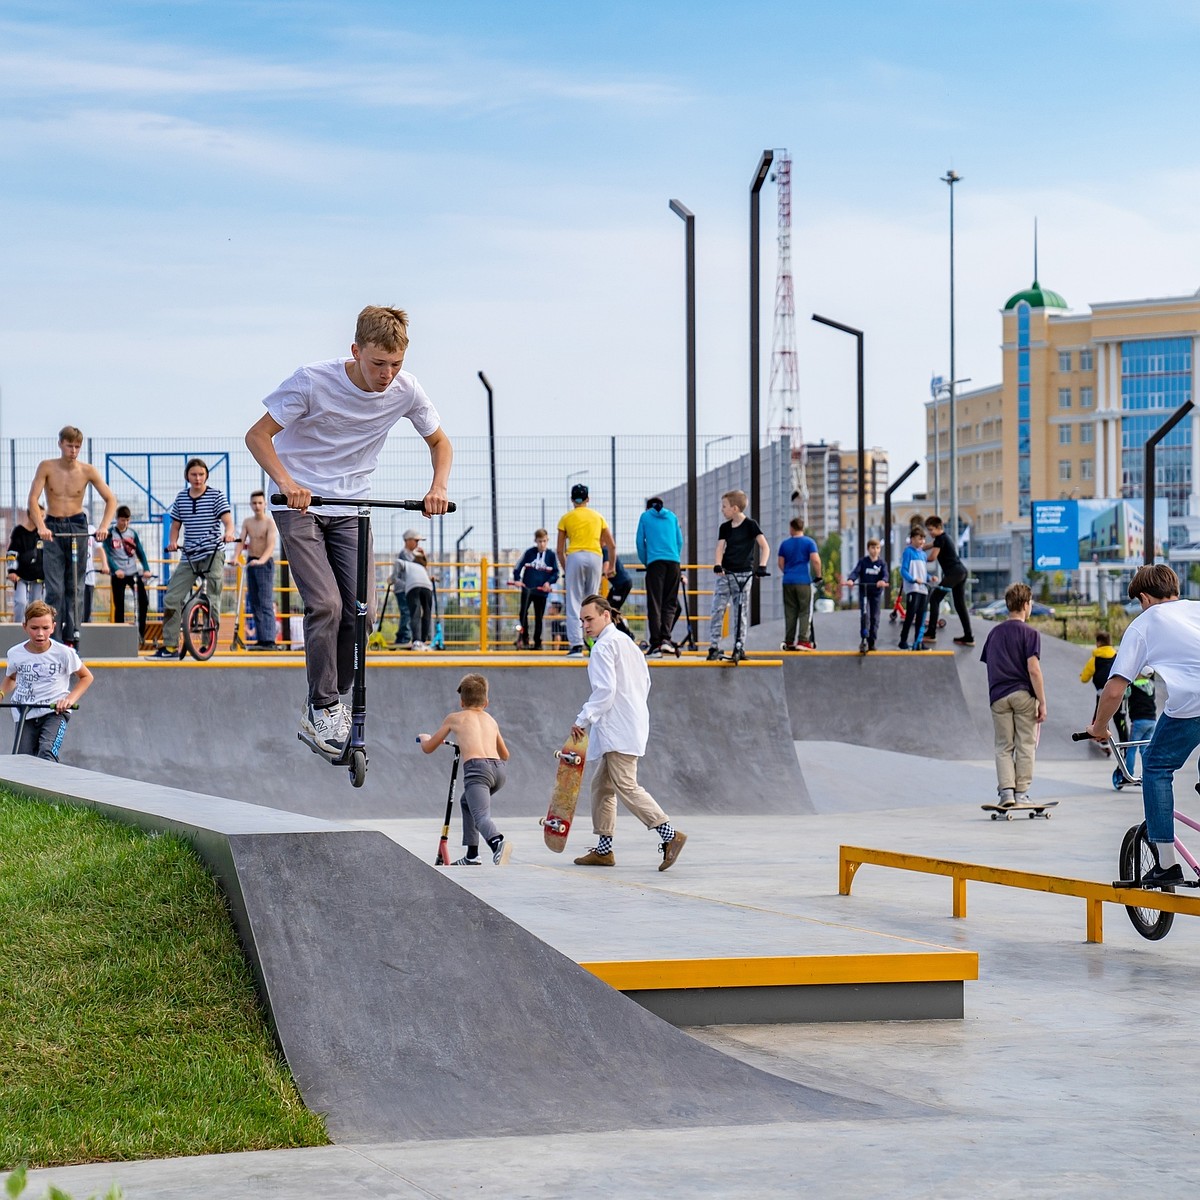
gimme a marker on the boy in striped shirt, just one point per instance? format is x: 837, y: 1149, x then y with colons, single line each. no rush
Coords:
x: 204, y: 515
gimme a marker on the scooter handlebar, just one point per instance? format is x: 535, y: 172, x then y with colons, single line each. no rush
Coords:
x: 324, y: 501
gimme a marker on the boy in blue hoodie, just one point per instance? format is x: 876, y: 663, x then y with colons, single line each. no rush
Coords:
x: 659, y: 546
x: 536, y: 572
x: 914, y: 571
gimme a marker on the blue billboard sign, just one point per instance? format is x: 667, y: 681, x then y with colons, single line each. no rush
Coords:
x: 1055, y: 535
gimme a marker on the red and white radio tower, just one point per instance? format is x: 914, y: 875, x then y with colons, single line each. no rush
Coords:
x: 785, y: 373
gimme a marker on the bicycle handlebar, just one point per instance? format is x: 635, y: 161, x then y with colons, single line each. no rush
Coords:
x: 323, y: 501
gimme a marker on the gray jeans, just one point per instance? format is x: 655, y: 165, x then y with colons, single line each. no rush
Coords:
x: 64, y: 564
x: 322, y: 553
x: 482, y: 778
x: 582, y: 577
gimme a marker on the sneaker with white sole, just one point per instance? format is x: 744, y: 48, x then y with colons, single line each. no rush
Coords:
x: 502, y: 853
x: 467, y: 862
x: 328, y: 727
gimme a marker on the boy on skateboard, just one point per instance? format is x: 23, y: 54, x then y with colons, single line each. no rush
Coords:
x: 618, y: 718
x: 483, y: 755
x: 39, y: 672
x: 1017, y: 695
x: 322, y: 435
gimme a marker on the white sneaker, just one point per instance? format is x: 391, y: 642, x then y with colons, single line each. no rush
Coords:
x: 328, y: 727
x: 417, y: 646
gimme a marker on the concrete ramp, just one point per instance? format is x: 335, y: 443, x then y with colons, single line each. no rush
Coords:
x: 909, y: 702
x: 408, y: 1008
x: 719, y: 737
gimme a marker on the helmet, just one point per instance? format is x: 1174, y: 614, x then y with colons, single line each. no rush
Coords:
x: 579, y: 492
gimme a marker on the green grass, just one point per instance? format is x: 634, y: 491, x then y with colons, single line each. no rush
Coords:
x: 129, y: 1022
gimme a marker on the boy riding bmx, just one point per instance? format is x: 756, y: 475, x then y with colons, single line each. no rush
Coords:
x: 1166, y: 634
x: 322, y: 435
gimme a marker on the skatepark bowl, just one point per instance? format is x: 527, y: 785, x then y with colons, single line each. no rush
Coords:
x: 734, y: 1026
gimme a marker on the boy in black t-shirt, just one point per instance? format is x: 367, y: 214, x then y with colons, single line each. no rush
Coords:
x: 741, y: 550
x: 954, y: 581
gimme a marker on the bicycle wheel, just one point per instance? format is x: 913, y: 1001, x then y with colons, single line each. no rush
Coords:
x: 199, y: 628
x: 1136, y: 859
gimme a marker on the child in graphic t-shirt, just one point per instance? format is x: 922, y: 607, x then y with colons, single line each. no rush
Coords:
x: 39, y: 674
x: 322, y: 435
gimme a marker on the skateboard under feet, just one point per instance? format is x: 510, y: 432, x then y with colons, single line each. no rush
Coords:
x: 1009, y: 813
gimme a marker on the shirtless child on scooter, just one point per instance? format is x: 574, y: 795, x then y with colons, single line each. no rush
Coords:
x: 63, y: 526
x: 484, y: 754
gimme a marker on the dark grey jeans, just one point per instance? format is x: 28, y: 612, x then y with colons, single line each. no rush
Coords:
x: 64, y: 588
x: 482, y: 777
x: 322, y: 553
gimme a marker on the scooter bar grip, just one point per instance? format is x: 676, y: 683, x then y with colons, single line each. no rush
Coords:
x: 1081, y: 737
x: 408, y: 505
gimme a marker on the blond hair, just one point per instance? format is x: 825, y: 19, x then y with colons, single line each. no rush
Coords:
x: 473, y: 690
x: 71, y: 434
x: 386, y: 328
x: 737, y: 498
x: 39, y: 608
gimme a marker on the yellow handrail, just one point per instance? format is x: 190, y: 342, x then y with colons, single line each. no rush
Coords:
x: 850, y: 858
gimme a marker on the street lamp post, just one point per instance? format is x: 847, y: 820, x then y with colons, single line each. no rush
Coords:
x: 760, y: 175
x: 862, y: 452
x: 688, y: 218
x: 889, y: 548
x: 492, y: 459
x: 714, y: 442
x: 1150, y: 483
x: 950, y: 179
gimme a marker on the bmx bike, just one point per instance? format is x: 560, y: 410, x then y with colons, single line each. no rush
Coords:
x: 199, y: 619
x: 353, y: 756
x: 1137, y: 856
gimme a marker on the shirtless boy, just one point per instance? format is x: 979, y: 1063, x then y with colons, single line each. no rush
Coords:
x: 483, y: 756
x: 258, y: 547
x: 63, y: 526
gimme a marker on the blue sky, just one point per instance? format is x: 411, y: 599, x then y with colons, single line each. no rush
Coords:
x: 200, y: 196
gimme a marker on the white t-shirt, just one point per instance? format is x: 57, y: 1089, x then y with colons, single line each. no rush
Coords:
x: 1167, y: 638
x: 333, y: 432
x: 41, y: 678
x: 617, y: 709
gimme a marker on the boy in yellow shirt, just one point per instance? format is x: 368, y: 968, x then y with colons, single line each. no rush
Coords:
x: 583, y: 535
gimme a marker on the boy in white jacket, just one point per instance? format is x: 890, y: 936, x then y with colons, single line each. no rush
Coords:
x: 619, y: 719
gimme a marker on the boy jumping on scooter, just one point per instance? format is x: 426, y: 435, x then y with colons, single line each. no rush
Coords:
x: 322, y: 435
x: 484, y: 754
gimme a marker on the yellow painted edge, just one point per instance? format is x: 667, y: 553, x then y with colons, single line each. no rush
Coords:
x: 395, y: 662
x: 652, y: 975
x: 789, y: 654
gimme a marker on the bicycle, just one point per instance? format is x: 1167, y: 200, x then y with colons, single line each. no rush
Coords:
x: 1137, y: 856
x: 199, y: 619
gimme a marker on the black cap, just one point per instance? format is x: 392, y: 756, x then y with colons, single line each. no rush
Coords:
x: 579, y: 492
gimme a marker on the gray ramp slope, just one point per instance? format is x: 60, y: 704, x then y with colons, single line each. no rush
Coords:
x: 408, y: 1008
x: 912, y: 703
x: 719, y: 738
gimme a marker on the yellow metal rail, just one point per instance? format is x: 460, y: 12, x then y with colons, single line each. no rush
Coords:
x: 1094, y: 894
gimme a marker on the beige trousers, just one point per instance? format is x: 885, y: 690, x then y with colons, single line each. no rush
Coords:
x: 616, y: 775
x: 1014, y: 718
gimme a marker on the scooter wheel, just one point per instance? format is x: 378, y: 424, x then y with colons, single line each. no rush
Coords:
x: 358, y: 768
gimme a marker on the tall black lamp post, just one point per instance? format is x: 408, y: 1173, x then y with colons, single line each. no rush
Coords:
x: 760, y: 175
x: 1149, y: 483
x: 492, y: 458
x: 688, y: 218
x: 862, y: 452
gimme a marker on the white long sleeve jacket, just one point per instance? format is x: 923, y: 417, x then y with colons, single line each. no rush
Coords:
x: 617, y: 714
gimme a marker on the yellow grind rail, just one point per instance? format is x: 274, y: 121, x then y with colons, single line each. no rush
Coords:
x: 850, y: 858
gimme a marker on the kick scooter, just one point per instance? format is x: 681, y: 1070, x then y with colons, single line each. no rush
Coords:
x: 353, y: 756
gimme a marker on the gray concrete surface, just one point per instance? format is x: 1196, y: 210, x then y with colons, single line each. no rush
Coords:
x: 720, y: 738
x: 1066, y: 1078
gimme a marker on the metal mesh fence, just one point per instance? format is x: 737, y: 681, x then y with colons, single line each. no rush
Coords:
x: 534, y: 476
